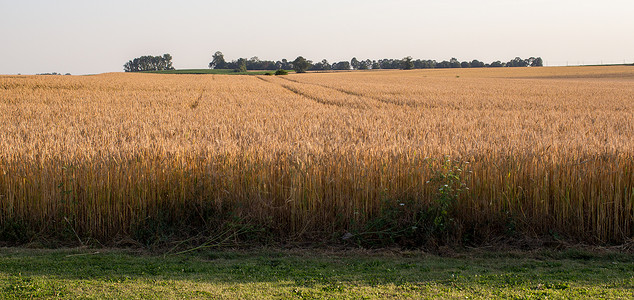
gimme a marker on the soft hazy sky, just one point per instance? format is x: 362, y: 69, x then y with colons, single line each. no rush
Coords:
x: 85, y: 37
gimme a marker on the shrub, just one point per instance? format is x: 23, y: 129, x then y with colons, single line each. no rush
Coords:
x: 281, y: 72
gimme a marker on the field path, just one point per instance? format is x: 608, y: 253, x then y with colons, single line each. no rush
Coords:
x: 325, y: 94
x: 353, y: 93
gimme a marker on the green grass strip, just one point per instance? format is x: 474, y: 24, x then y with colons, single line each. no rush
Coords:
x: 313, y: 274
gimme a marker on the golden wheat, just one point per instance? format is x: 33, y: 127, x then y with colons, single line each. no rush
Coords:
x: 549, y: 148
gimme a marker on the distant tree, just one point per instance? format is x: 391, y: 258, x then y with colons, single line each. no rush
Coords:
x: 257, y: 64
x: 254, y: 63
x: 241, y: 65
x: 477, y: 64
x: 418, y: 64
x: 443, y: 64
x: 537, y: 62
x: 424, y: 64
x: 218, y: 61
x: 322, y: 65
x: 465, y: 64
x: 283, y: 64
x: 517, y: 62
x: 300, y: 64
x: 131, y: 66
x: 354, y: 62
x: 390, y: 63
x: 496, y: 64
x: 167, y: 61
x: 365, y: 64
x: 149, y: 63
x: 325, y: 65
x: 342, y: 65
x: 270, y: 65
x: 454, y: 63
x: 407, y: 63
x: 375, y: 65
x: 368, y: 63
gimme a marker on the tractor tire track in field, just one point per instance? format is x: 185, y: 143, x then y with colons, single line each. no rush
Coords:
x: 352, y: 93
x: 309, y: 96
x: 299, y: 93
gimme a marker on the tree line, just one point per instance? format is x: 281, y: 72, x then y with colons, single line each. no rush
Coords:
x: 301, y: 64
x: 149, y: 63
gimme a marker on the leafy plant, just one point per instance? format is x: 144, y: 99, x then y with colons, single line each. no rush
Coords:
x: 408, y: 223
x: 450, y: 184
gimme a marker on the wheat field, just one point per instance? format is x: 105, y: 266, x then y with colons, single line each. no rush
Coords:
x: 539, y: 152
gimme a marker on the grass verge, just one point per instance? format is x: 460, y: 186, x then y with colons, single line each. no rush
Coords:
x: 314, y: 274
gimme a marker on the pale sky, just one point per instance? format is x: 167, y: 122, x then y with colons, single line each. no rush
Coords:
x: 89, y: 37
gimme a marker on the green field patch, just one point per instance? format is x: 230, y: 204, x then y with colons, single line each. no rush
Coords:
x: 214, y: 71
